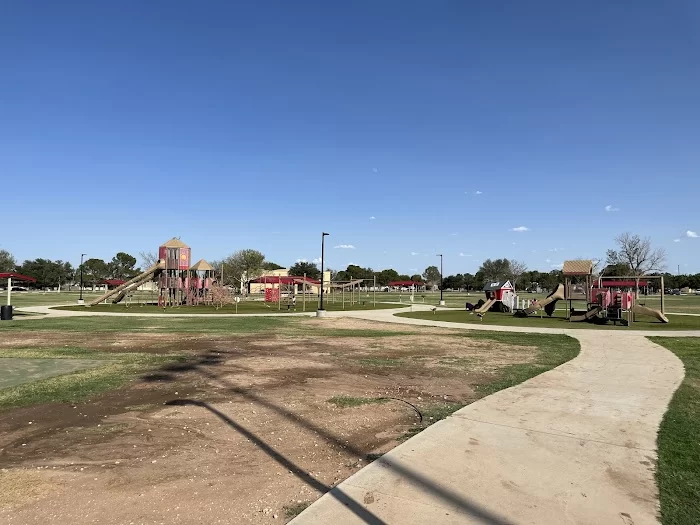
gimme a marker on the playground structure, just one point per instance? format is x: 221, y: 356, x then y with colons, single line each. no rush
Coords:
x: 6, y: 309
x: 610, y: 301
x: 500, y: 297
x: 178, y: 282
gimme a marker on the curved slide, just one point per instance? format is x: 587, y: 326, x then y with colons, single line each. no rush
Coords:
x: 587, y: 316
x: 643, y: 310
x: 553, y: 297
x: 485, y: 307
x: 140, y: 278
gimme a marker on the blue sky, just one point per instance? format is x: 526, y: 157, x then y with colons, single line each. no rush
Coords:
x: 406, y: 128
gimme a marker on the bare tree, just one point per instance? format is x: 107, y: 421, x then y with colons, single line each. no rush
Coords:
x: 148, y: 258
x: 515, y: 271
x: 638, y: 254
x: 7, y: 261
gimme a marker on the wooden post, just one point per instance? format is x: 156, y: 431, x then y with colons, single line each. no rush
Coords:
x: 279, y: 294
x: 375, y: 291
x: 303, y: 289
x: 343, y: 297
x: 662, y: 295
x: 9, y: 291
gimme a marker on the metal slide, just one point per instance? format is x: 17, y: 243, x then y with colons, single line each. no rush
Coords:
x: 593, y: 312
x: 643, y: 310
x: 485, y: 307
x: 140, y: 277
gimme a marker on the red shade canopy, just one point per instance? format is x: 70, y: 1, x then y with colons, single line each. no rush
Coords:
x: 17, y: 276
x: 112, y: 282
x: 405, y: 283
x: 288, y: 279
x: 622, y: 283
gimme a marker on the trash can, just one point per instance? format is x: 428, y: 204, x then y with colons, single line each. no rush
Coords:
x: 6, y: 312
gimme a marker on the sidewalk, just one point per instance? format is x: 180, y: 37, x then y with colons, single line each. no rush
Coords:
x: 574, y: 445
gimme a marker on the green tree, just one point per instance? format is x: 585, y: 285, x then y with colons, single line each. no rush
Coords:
x: 48, y: 273
x: 269, y: 266
x: 495, y: 270
x: 386, y: 276
x: 7, y: 262
x: 303, y: 267
x: 95, y: 270
x: 122, y: 266
x: 431, y: 275
x: 469, y: 281
x: 243, y: 266
x: 416, y: 278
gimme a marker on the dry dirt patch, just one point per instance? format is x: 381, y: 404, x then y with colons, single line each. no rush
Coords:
x: 237, y: 433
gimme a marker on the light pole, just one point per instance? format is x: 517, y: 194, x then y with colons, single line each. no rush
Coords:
x: 442, y: 301
x: 321, y: 312
x: 80, y: 300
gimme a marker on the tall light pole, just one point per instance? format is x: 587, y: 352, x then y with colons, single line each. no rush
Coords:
x: 321, y: 312
x: 442, y: 301
x: 80, y: 301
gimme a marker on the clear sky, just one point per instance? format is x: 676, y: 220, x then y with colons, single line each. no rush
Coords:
x: 403, y: 128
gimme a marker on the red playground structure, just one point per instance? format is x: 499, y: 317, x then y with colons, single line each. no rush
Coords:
x: 178, y: 282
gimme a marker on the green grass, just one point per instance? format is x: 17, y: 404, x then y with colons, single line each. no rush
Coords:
x: 678, y: 322
x: 149, y: 324
x: 350, y: 401
x: 116, y: 370
x: 678, y: 470
x: 244, y: 307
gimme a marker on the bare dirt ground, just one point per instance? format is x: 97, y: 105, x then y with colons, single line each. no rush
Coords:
x: 240, y: 433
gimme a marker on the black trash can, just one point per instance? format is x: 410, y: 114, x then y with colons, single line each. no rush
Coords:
x: 6, y: 312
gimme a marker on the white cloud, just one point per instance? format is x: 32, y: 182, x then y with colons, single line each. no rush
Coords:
x: 610, y: 207
x: 454, y: 234
x: 465, y: 254
x: 558, y: 266
x: 548, y: 260
x: 301, y: 260
x: 372, y: 218
x: 375, y: 170
x: 513, y: 244
x: 676, y: 240
x: 345, y: 246
x: 415, y: 253
x: 520, y: 229
x: 478, y: 192
x: 317, y: 260
x: 691, y: 234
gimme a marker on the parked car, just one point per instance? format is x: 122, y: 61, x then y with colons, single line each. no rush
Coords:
x: 697, y: 291
x: 19, y: 289
x: 675, y: 291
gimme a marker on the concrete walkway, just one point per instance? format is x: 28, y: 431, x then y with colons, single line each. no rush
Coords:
x: 575, y: 445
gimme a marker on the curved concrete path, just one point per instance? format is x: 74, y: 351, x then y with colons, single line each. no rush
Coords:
x: 575, y: 445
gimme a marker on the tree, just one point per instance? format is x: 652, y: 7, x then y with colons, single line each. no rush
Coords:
x: 516, y: 270
x: 638, y: 254
x: 387, y: 276
x: 269, y: 265
x: 303, y: 267
x: 498, y: 270
x: 7, y: 262
x: 47, y: 273
x: 416, y: 278
x: 148, y: 258
x: 431, y: 275
x: 95, y: 270
x: 243, y: 266
x: 122, y: 266
x: 469, y: 281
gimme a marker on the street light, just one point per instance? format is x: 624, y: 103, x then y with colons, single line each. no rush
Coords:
x: 80, y: 301
x: 442, y: 301
x: 321, y: 312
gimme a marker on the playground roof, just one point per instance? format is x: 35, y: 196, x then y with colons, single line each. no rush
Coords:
x: 406, y: 283
x: 623, y: 283
x: 17, y: 276
x: 201, y: 265
x: 578, y: 267
x: 175, y: 243
x: 497, y: 285
x: 347, y: 284
x: 112, y: 282
x: 287, y: 279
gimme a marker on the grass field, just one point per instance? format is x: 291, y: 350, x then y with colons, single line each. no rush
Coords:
x: 678, y: 470
x: 677, y: 322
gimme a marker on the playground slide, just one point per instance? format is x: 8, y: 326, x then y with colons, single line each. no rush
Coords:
x: 131, y: 287
x: 140, y: 277
x: 485, y: 307
x: 593, y: 312
x: 556, y: 295
x: 643, y: 310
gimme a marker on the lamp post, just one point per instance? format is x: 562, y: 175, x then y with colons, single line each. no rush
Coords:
x: 321, y: 312
x: 442, y: 301
x: 80, y: 300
